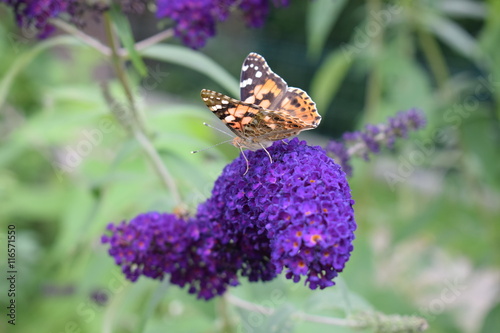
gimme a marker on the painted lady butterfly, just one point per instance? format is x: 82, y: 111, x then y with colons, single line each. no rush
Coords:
x: 269, y: 110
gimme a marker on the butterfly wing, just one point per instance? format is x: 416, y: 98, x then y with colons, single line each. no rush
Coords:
x: 276, y: 125
x: 259, y: 85
x: 252, y: 122
x: 236, y: 115
x: 297, y: 103
x: 268, y: 110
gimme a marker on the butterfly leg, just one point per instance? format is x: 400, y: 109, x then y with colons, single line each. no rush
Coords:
x: 270, y: 158
x: 246, y: 159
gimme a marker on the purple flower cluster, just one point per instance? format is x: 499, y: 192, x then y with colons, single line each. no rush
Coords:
x: 195, y: 20
x: 35, y: 14
x: 374, y: 137
x: 159, y: 244
x: 294, y: 214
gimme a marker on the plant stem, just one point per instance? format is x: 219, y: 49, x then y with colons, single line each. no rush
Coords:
x: 165, y: 176
x: 373, y: 89
x: 434, y: 57
x: 297, y: 315
x: 137, y: 126
x: 119, y: 68
x: 104, y: 49
x: 89, y: 40
x: 227, y: 325
x: 155, y: 39
x: 376, y: 321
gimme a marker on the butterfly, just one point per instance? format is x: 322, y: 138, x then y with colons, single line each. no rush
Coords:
x: 268, y: 111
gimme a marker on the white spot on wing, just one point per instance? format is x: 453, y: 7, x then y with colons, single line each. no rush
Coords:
x: 258, y: 74
x: 245, y: 83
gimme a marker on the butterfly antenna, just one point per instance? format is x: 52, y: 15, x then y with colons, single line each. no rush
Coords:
x: 197, y: 151
x: 217, y: 129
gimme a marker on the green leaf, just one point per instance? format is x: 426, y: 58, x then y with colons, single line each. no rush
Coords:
x: 26, y: 58
x: 478, y: 143
x: 328, y: 77
x: 492, y: 321
x: 194, y: 60
x: 126, y: 37
x: 453, y: 35
x: 79, y: 209
x: 321, y: 17
x: 462, y: 8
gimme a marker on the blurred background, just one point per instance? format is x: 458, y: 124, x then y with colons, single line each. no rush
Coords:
x: 428, y: 212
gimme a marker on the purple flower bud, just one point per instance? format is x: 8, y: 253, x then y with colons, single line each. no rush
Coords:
x: 374, y: 137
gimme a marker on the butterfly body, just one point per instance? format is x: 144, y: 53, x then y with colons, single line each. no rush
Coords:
x: 268, y: 111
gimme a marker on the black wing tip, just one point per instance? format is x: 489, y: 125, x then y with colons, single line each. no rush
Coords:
x: 208, y: 92
x: 254, y: 54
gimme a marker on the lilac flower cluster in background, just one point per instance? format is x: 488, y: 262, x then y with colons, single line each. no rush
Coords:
x: 195, y: 20
x: 35, y: 14
x: 294, y: 214
x: 374, y: 137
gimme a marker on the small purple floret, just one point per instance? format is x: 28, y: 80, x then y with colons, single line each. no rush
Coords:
x: 374, y: 137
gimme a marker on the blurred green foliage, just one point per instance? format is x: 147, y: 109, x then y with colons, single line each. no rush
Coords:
x: 428, y: 238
